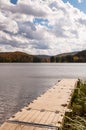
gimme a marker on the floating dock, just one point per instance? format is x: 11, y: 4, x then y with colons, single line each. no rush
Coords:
x: 47, y: 112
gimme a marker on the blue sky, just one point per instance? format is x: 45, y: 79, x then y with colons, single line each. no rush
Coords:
x: 75, y: 3
x: 13, y: 1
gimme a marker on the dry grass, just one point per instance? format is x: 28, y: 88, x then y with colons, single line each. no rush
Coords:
x: 77, y: 119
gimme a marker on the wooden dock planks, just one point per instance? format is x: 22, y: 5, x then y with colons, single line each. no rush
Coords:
x: 46, y: 112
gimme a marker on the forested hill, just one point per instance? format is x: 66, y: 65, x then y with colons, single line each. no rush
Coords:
x: 20, y: 57
x: 70, y: 57
x: 24, y: 57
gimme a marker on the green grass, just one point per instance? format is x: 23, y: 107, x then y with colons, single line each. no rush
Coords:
x: 76, y: 120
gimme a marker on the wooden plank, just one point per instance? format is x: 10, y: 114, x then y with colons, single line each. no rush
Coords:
x: 31, y: 117
x: 28, y: 115
x: 45, y: 118
x: 39, y: 118
x: 6, y: 126
x: 50, y: 119
x: 19, y: 115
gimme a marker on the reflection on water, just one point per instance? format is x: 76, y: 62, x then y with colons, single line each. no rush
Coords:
x: 21, y: 83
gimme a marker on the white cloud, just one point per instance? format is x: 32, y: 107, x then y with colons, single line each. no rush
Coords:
x: 80, y: 1
x: 41, y: 27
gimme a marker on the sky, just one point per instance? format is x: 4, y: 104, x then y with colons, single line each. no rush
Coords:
x: 47, y: 27
x: 80, y: 4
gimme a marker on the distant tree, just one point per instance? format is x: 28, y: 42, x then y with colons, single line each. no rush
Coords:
x: 36, y: 59
x: 69, y: 58
x: 58, y: 59
x: 46, y: 60
x: 75, y: 58
x: 53, y: 59
x: 63, y: 59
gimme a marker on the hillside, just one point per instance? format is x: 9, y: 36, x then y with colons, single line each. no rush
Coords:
x: 66, y: 54
x: 17, y: 57
x: 71, y: 57
x: 24, y: 57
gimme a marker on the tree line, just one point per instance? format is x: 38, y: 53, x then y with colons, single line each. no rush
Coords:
x: 24, y: 57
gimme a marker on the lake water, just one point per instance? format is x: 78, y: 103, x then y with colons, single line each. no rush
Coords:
x: 20, y: 83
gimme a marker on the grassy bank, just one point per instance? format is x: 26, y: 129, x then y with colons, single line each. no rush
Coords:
x: 76, y: 120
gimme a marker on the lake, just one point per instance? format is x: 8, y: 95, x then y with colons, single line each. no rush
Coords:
x: 20, y: 83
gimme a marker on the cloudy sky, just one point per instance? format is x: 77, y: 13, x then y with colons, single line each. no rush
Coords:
x: 42, y: 26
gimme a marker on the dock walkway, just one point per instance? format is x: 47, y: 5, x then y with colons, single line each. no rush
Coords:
x: 46, y: 112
